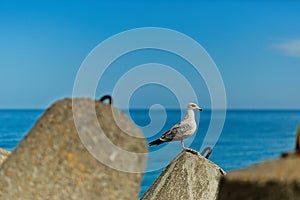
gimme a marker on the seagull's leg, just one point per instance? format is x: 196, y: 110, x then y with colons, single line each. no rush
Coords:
x: 182, y: 145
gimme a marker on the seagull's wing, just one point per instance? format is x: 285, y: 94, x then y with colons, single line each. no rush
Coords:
x: 170, y: 134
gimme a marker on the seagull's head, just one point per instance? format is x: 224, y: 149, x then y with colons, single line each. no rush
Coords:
x: 193, y: 106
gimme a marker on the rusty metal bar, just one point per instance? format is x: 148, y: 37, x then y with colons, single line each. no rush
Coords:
x: 208, y: 150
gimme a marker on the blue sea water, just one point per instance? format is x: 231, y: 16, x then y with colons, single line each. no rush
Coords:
x: 14, y: 125
x: 248, y: 136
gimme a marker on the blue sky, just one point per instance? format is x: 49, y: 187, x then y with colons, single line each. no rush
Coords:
x: 255, y: 44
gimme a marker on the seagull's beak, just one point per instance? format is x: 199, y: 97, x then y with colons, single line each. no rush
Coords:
x: 199, y: 108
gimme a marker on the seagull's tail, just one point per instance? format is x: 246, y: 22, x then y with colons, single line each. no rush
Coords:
x: 156, y: 142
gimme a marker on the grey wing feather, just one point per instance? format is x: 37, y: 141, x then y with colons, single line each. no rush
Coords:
x: 170, y: 134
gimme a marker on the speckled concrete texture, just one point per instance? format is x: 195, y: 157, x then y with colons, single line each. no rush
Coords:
x: 189, y: 176
x: 3, y: 155
x: 51, y: 162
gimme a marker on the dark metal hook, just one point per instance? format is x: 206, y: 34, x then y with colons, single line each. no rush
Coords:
x: 110, y: 100
x: 298, y: 140
x: 208, y: 150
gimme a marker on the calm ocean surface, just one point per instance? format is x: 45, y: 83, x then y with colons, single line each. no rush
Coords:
x: 247, y: 137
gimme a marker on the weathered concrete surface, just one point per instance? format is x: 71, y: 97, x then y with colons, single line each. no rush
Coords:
x: 190, y: 177
x: 272, y: 180
x: 51, y: 162
x: 3, y: 155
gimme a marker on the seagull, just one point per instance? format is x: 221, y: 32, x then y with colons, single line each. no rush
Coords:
x: 181, y: 130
